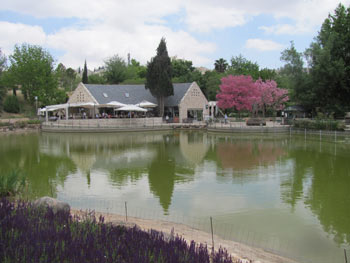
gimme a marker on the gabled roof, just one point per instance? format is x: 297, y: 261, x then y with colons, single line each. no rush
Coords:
x: 133, y: 94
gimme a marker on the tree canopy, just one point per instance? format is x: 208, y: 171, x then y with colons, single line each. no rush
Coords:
x: 85, y: 78
x: 159, y: 75
x: 329, y: 62
x: 115, y: 70
x: 220, y: 65
x: 32, y: 68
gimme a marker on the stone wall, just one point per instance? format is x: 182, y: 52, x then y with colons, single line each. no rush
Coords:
x: 194, y: 99
x: 81, y: 94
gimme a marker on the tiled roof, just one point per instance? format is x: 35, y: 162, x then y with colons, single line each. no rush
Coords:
x: 133, y: 94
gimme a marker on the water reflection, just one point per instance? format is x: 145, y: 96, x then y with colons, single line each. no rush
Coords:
x: 43, y: 169
x: 165, y: 158
x: 321, y: 179
x: 273, y: 172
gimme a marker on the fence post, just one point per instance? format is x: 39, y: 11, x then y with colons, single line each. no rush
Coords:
x: 346, y: 258
x: 126, y: 212
x: 212, y: 235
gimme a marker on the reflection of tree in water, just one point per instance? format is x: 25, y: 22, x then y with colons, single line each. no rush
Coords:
x: 244, y: 155
x: 165, y: 171
x: 328, y: 194
x: 43, y: 171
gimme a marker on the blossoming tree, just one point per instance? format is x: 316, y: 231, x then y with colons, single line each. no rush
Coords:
x: 242, y: 93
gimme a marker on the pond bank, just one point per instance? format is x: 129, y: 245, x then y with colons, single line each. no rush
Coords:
x: 238, y: 251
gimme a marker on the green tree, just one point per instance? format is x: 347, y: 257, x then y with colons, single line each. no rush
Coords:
x: 210, y: 84
x: 11, y: 104
x: 221, y: 65
x: 97, y: 79
x: 329, y: 61
x: 3, y: 66
x: 85, y: 79
x: 32, y: 68
x: 72, y: 80
x: 242, y: 66
x: 295, y: 78
x: 115, y: 70
x: 159, y: 74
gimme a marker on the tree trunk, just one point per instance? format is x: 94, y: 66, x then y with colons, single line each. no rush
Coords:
x: 161, y: 106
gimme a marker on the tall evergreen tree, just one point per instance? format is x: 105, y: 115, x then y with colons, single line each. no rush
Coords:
x: 85, y: 74
x: 159, y: 74
x: 329, y: 59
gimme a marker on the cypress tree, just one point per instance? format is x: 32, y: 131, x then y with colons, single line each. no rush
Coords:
x: 85, y: 74
x: 159, y: 74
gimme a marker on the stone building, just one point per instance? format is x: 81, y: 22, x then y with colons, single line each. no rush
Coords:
x: 188, y: 101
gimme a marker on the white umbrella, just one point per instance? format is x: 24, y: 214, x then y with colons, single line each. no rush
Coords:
x: 131, y: 107
x: 115, y: 104
x: 146, y: 104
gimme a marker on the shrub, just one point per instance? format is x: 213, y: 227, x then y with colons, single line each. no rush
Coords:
x: 11, y: 104
x: 34, y: 122
x: 319, y: 124
x: 12, y: 183
x: 28, y: 234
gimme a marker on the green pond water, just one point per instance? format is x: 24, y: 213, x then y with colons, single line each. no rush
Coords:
x: 286, y: 194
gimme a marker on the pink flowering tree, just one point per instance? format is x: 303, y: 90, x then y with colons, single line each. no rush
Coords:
x: 238, y: 92
x: 271, y: 97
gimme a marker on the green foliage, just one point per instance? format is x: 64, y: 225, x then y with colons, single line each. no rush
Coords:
x: 115, y: 70
x: 220, y: 65
x: 134, y: 81
x: 319, y: 124
x: 242, y: 66
x: 329, y: 60
x: 210, y: 84
x: 3, y: 66
x: 12, y: 183
x: 85, y: 79
x: 97, y: 79
x: 66, y: 77
x: 34, y: 122
x: 11, y: 104
x: 32, y: 68
x: 181, y: 68
x: 159, y: 75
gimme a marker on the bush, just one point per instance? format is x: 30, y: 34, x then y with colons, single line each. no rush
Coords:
x: 256, y: 122
x: 319, y: 124
x: 28, y: 234
x: 34, y: 122
x: 11, y: 104
x: 12, y: 183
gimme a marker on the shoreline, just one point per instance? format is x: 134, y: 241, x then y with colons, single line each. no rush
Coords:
x: 240, y: 252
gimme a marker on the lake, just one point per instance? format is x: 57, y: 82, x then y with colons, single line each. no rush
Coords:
x: 286, y: 193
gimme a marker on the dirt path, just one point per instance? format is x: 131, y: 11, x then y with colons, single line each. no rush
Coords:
x: 240, y: 252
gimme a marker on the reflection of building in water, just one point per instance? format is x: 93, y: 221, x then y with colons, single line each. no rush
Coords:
x: 248, y: 155
x: 194, y: 146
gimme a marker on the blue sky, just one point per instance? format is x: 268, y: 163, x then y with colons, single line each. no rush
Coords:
x: 200, y: 31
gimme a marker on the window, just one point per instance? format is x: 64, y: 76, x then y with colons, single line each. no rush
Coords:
x: 105, y: 95
x: 127, y: 95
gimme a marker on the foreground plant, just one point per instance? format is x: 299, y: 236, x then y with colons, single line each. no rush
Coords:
x: 11, y: 183
x: 28, y: 234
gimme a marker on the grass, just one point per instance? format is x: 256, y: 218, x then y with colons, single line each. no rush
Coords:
x: 12, y: 183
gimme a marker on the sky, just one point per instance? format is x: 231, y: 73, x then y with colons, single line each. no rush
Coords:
x: 198, y: 30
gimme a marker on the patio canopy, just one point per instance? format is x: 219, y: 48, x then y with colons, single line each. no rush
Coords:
x: 146, y: 104
x: 114, y: 104
x: 131, y: 107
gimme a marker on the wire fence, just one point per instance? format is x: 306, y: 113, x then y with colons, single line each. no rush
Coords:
x: 238, y: 239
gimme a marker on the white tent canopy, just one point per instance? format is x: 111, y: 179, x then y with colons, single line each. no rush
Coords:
x: 131, y: 107
x: 146, y: 104
x: 114, y: 104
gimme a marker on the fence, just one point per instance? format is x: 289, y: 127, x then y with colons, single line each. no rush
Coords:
x: 238, y: 239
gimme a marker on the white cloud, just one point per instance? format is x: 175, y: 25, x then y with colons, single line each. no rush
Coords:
x: 263, y: 45
x: 109, y: 27
x: 16, y: 33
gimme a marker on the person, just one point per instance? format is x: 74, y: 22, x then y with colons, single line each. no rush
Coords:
x: 84, y: 115
x: 225, y: 118
x: 167, y: 118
